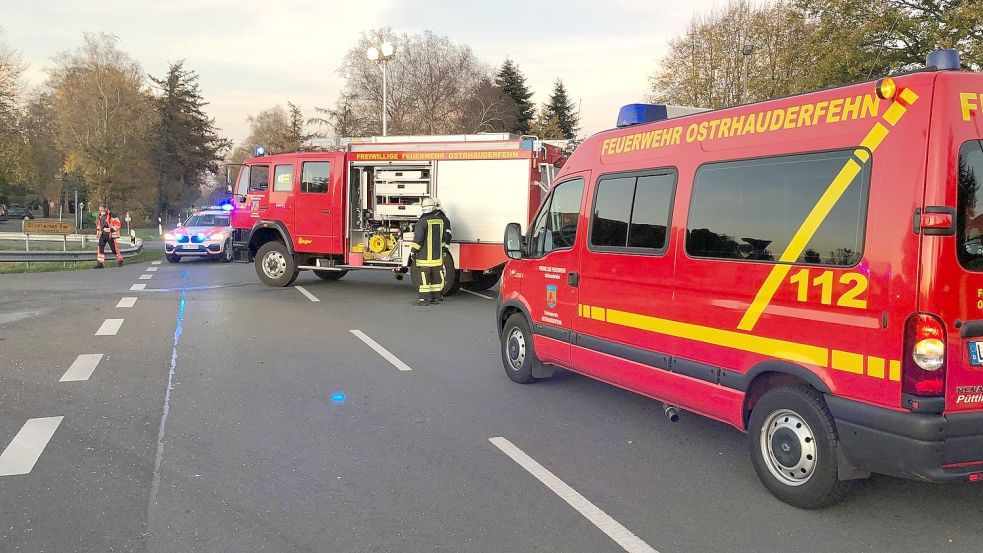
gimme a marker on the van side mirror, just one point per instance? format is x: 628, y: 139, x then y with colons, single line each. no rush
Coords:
x: 514, y: 241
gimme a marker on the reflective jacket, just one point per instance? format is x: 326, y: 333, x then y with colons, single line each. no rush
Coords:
x: 446, y: 239
x: 108, y: 220
x: 428, y: 235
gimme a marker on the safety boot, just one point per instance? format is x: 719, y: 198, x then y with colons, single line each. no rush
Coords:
x: 421, y: 302
x: 99, y: 265
x: 119, y: 262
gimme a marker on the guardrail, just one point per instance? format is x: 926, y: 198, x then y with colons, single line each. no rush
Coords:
x: 47, y: 237
x: 77, y: 255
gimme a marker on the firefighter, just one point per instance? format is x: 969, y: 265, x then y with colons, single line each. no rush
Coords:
x: 428, y: 253
x: 446, y: 238
x: 107, y: 230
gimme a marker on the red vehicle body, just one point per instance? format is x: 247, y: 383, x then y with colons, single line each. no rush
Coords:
x: 797, y: 261
x: 354, y: 208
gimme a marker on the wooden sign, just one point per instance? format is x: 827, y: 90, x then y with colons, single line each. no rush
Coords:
x: 48, y: 227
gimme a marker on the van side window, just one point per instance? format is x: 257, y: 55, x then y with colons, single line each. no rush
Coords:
x: 969, y: 206
x: 243, y: 183
x: 556, y: 226
x: 632, y: 211
x: 283, y: 178
x: 315, y: 176
x: 259, y: 177
x: 751, y: 209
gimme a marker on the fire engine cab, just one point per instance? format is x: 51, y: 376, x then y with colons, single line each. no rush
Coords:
x: 354, y: 207
x: 807, y: 269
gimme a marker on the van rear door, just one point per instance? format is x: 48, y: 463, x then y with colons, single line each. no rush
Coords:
x: 952, y: 253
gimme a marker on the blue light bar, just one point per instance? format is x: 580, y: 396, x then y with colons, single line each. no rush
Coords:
x: 259, y: 151
x: 943, y: 59
x: 636, y: 114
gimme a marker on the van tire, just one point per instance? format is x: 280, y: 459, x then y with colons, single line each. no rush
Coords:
x: 798, y: 463
x: 275, y: 266
x: 330, y: 275
x: 518, y: 353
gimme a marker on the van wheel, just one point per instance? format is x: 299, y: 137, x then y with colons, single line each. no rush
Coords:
x: 330, y: 275
x: 793, y: 445
x: 274, y: 264
x: 518, y: 355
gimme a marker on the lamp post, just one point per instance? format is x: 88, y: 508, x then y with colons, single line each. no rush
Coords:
x: 747, y: 50
x: 382, y: 55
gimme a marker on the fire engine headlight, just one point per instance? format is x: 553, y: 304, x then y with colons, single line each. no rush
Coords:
x: 929, y: 354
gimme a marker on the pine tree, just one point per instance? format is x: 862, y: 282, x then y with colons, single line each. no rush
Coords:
x: 546, y: 126
x: 186, y: 145
x: 562, y: 107
x: 513, y: 83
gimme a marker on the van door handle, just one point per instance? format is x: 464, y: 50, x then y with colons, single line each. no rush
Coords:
x: 573, y: 279
x: 326, y: 211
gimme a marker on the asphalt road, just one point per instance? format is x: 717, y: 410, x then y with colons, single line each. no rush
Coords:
x: 283, y: 431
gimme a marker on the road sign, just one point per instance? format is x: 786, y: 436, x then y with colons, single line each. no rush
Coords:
x: 127, y: 218
x: 48, y: 227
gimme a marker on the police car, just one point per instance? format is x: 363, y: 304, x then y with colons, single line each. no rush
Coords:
x: 207, y: 233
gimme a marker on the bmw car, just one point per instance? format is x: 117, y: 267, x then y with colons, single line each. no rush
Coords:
x: 207, y: 233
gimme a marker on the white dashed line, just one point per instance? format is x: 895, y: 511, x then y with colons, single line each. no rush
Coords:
x: 109, y: 327
x: 146, y: 276
x: 27, y: 446
x: 155, y: 262
x: 82, y: 368
x: 628, y: 541
x: 477, y: 294
x: 127, y: 301
x: 381, y: 351
x: 151, y: 269
x: 309, y: 295
x: 138, y: 287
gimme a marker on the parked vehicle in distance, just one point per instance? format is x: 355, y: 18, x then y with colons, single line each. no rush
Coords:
x: 3, y: 212
x: 17, y: 211
x: 807, y: 269
x: 207, y: 233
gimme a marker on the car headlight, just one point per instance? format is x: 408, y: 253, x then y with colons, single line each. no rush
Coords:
x: 168, y: 236
x: 218, y: 236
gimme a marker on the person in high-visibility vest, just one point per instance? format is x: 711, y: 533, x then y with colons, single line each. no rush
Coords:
x: 428, y: 253
x: 107, y: 230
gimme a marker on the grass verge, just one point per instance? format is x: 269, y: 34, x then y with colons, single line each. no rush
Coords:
x: 52, y: 266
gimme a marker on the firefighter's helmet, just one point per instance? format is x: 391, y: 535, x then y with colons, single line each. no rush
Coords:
x: 428, y: 205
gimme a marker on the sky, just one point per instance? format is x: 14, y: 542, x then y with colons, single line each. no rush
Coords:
x: 251, y: 55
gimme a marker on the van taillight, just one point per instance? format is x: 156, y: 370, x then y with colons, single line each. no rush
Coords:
x: 924, y: 361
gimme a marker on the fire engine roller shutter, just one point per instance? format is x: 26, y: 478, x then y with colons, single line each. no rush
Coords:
x: 481, y: 197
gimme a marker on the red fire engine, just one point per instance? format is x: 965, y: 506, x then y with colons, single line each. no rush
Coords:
x: 354, y: 207
x: 807, y: 269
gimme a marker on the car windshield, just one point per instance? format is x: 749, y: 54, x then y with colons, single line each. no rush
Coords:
x: 207, y: 220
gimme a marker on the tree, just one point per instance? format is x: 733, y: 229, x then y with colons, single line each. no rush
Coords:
x: 488, y: 109
x: 561, y: 107
x: 513, y: 84
x: 185, y: 143
x: 430, y: 83
x: 861, y: 40
x: 275, y: 129
x: 12, y: 146
x: 104, y: 115
x: 737, y: 54
x: 345, y: 119
x: 546, y: 126
x: 44, y: 162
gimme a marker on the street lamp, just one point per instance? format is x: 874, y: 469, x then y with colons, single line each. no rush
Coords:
x: 382, y: 55
x: 747, y: 50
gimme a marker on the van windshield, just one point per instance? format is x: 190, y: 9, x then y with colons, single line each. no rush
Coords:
x: 969, y: 209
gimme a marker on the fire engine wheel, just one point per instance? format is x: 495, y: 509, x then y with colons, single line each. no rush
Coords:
x: 171, y: 258
x: 481, y: 282
x: 330, y: 275
x: 226, y: 252
x: 518, y: 355
x: 794, y: 446
x: 452, y: 280
x: 275, y: 266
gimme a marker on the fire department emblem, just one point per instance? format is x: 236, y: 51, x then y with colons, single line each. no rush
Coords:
x: 551, y: 295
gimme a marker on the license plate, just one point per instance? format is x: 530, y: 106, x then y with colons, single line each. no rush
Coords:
x: 975, y: 353
x: 189, y: 247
